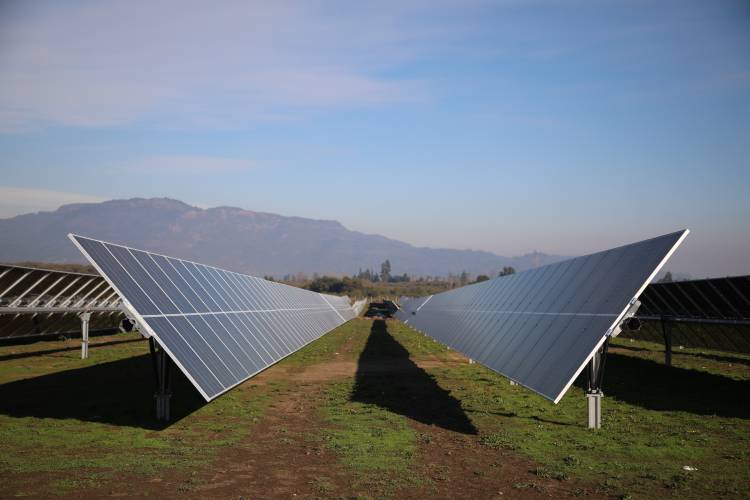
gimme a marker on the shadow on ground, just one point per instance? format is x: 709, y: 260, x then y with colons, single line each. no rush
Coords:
x: 722, y: 358
x: 387, y: 378
x: 44, y: 352
x: 117, y: 392
x: 654, y: 386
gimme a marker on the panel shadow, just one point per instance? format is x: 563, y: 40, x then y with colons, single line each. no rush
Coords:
x: 117, y: 392
x: 386, y: 377
x: 654, y: 386
x: 44, y: 352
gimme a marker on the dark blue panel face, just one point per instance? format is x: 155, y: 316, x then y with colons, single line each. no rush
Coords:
x: 170, y: 269
x: 191, y: 354
x: 119, y: 278
x: 176, y: 296
x: 540, y: 327
x: 150, y: 287
x: 219, y: 327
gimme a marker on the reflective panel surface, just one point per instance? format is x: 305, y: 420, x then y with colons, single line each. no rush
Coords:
x: 539, y: 327
x: 219, y: 327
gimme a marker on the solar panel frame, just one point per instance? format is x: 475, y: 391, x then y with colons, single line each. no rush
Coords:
x: 213, y: 304
x: 37, y: 301
x: 516, y: 308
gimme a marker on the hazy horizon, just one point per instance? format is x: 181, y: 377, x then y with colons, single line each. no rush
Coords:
x: 690, y: 273
x: 561, y: 127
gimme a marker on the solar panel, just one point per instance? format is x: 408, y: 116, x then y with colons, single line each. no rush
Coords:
x: 540, y: 327
x: 705, y: 313
x: 36, y: 301
x: 219, y: 327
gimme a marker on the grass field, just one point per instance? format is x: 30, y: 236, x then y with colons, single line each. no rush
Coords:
x: 372, y: 409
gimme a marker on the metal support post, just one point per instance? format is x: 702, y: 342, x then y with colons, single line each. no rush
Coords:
x: 594, y: 399
x: 594, y: 391
x: 666, y: 330
x: 163, y: 392
x: 85, y: 318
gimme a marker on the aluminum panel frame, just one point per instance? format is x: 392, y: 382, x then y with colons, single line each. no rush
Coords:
x: 541, y: 327
x: 219, y: 327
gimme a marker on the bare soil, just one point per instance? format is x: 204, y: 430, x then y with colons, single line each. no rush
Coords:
x: 283, y: 455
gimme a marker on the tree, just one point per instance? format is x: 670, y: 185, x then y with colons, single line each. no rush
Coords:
x: 330, y: 284
x: 385, y: 271
x: 482, y: 277
x: 667, y: 278
x: 507, y: 271
x: 464, y: 278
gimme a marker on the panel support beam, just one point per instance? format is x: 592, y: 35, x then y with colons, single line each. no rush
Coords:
x: 594, y: 393
x: 163, y: 379
x: 85, y: 318
x: 666, y: 330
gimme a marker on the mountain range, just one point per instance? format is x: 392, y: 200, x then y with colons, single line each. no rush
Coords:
x: 256, y: 243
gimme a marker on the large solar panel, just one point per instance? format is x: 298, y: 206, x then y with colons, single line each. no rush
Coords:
x: 35, y: 301
x: 219, y: 327
x: 540, y: 327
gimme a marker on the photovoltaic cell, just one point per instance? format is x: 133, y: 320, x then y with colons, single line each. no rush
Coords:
x: 219, y: 327
x: 540, y: 327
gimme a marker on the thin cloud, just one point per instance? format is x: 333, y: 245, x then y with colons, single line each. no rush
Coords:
x: 113, y: 64
x: 15, y: 200
x: 189, y: 165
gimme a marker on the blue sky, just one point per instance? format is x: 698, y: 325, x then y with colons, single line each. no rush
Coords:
x: 510, y: 126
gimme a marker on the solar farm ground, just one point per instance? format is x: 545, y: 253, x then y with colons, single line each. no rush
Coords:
x: 372, y: 409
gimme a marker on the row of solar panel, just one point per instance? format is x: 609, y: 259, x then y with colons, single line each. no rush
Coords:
x: 539, y: 327
x: 220, y: 327
x: 717, y: 298
x: 36, y: 301
x: 33, y: 287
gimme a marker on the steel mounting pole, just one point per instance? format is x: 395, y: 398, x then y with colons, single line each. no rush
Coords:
x: 85, y: 318
x: 594, y: 393
x: 666, y: 330
x: 163, y: 392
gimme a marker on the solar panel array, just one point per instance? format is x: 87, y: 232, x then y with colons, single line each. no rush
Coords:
x: 706, y: 313
x: 721, y: 299
x: 35, y: 301
x: 540, y: 327
x: 219, y: 327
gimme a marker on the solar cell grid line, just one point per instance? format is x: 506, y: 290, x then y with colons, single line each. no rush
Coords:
x: 221, y: 349
x: 218, y: 322
x: 696, y: 309
x: 736, y: 290
x: 190, y: 310
x: 611, y: 259
x: 602, y: 322
x: 266, y: 315
x: 219, y: 327
x: 712, y: 284
x: 241, y: 324
x: 540, y: 327
x: 290, y: 317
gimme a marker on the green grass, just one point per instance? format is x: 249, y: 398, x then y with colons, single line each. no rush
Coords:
x: 377, y: 446
x: 646, y: 439
x: 726, y: 364
x: 328, y: 347
x: 47, y: 423
x: 656, y: 420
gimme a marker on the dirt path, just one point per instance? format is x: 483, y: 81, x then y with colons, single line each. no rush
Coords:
x: 281, y: 458
x: 286, y: 455
x: 285, y: 458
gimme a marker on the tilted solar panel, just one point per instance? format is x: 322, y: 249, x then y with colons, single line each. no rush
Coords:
x: 219, y: 327
x: 540, y: 327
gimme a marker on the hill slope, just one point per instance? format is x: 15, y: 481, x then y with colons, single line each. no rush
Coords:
x: 233, y: 238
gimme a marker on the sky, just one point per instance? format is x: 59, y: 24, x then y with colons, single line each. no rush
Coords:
x: 565, y: 127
